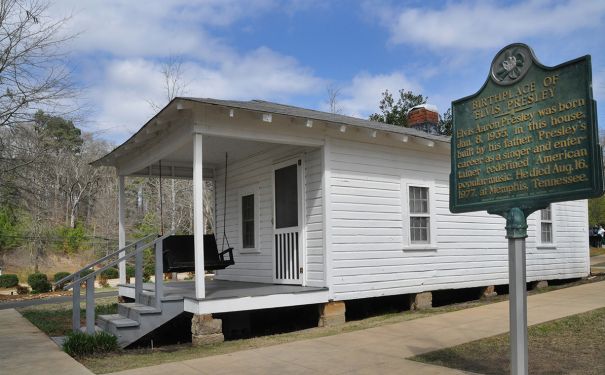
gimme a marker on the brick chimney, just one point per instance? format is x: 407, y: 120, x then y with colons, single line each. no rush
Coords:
x: 424, y: 117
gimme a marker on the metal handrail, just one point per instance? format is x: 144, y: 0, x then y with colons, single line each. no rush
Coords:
x: 127, y: 256
x: 89, y: 280
x: 100, y: 260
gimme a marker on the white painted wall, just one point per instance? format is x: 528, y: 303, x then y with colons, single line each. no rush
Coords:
x: 315, y: 272
x: 371, y: 254
x: 255, y: 173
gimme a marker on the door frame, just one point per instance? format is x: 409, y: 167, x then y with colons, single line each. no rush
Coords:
x: 300, y: 180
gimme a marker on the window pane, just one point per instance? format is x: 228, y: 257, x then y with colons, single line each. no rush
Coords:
x: 419, y: 201
x: 546, y: 214
x: 248, y: 221
x: 546, y: 232
x: 286, y: 197
x: 419, y: 229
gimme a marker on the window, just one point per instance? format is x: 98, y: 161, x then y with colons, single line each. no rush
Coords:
x: 248, y: 212
x: 419, y: 215
x: 248, y: 240
x: 546, y: 225
x: 286, y: 197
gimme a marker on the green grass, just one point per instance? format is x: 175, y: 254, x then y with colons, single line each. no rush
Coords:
x: 569, y: 345
x: 55, y: 320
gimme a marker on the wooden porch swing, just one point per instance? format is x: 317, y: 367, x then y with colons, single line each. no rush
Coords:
x: 179, y: 250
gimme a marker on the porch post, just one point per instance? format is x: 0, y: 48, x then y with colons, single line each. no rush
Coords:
x: 198, y: 216
x: 121, y: 228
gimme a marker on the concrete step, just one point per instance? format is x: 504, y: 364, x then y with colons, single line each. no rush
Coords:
x: 134, y: 320
x: 147, y: 297
x: 116, y: 320
x: 134, y: 311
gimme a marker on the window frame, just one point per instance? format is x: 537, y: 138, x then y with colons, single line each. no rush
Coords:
x: 253, y: 190
x: 539, y: 221
x: 407, y: 215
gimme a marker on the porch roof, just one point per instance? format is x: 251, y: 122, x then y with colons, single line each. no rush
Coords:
x: 261, y: 106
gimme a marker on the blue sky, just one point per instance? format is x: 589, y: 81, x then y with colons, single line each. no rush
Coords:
x: 292, y: 51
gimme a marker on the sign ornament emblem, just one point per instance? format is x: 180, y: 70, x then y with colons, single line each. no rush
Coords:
x: 511, y: 64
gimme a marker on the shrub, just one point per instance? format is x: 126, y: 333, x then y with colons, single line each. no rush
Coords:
x: 129, y: 270
x: 39, y: 283
x: 148, y: 271
x: 22, y: 290
x: 110, y: 273
x: 8, y: 280
x: 58, y: 276
x: 87, y: 271
x: 80, y: 344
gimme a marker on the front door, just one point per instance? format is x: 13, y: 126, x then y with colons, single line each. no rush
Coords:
x: 287, y: 222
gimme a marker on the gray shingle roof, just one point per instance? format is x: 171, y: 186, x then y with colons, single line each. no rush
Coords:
x: 288, y: 110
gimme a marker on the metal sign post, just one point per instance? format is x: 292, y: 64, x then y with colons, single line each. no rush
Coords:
x: 527, y: 138
x: 516, y: 232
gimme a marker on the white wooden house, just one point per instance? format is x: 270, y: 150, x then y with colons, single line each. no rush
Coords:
x: 322, y: 208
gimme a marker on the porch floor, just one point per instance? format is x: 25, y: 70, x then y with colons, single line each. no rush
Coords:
x: 222, y: 289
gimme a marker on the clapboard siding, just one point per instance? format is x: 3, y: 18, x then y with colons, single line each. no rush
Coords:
x: 371, y: 255
x: 255, y: 173
x: 315, y: 272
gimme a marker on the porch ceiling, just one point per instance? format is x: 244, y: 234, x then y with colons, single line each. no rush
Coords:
x: 180, y: 161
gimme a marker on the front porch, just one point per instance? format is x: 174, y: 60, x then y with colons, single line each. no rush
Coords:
x: 231, y: 296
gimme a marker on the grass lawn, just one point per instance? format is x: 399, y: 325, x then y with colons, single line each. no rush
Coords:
x: 594, y: 251
x: 572, y: 345
x: 55, y: 319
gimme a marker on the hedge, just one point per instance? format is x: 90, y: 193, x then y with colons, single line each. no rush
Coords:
x: 9, y: 280
x: 110, y: 273
x: 39, y: 283
x: 58, y: 276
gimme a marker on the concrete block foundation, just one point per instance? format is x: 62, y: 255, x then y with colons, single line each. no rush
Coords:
x: 488, y: 291
x: 540, y: 284
x: 206, y: 330
x: 331, y: 314
x: 421, y: 301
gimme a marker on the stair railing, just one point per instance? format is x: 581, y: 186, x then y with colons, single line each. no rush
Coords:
x: 74, y: 280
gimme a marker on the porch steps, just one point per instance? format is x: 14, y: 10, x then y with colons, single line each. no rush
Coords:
x: 135, y: 320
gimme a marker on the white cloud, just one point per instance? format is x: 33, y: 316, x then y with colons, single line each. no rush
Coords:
x: 129, y: 85
x: 483, y: 24
x: 153, y: 28
x: 128, y: 40
x: 361, y: 97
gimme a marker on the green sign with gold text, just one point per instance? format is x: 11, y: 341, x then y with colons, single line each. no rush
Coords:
x: 527, y: 138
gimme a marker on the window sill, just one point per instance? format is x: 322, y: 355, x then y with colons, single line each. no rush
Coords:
x: 419, y: 247
x: 547, y: 246
x: 248, y: 251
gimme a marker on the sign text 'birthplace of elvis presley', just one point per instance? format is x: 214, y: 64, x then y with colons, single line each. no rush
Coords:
x: 527, y: 138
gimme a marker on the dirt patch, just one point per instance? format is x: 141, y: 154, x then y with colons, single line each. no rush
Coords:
x: 20, y: 262
x: 27, y: 297
x: 573, y: 345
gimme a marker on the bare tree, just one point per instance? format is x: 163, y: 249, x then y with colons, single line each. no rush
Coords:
x: 33, y: 73
x: 174, y: 82
x: 333, y: 94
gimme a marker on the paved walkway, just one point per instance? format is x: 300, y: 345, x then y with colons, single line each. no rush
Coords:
x: 383, y: 350
x: 24, y: 349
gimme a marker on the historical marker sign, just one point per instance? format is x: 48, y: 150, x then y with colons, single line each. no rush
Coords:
x: 527, y: 138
